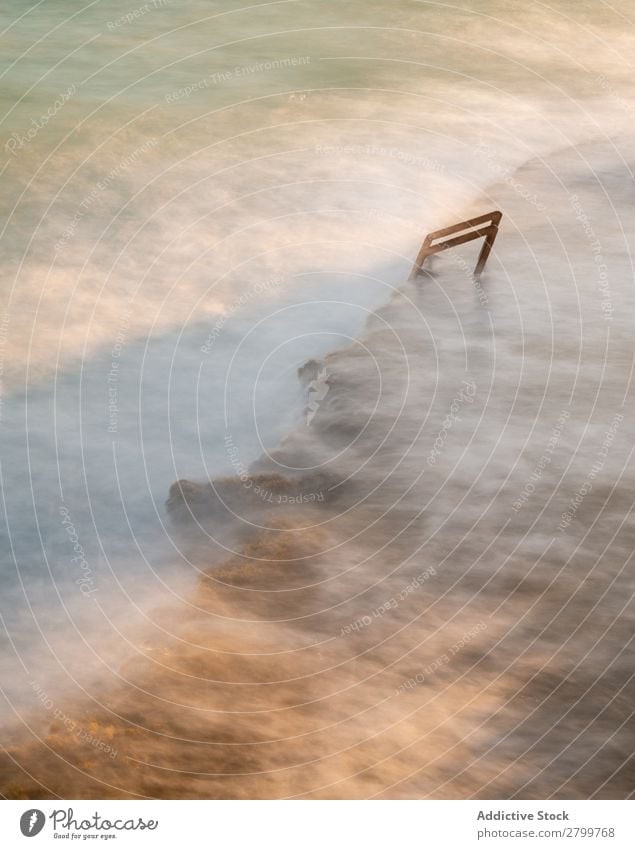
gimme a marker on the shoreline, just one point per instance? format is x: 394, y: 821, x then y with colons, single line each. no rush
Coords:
x: 520, y: 686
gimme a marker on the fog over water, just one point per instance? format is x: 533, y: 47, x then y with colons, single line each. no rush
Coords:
x: 411, y: 573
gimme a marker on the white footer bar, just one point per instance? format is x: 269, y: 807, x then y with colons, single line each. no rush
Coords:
x: 318, y: 824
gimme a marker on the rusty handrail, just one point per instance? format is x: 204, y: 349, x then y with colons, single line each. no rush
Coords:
x: 489, y: 233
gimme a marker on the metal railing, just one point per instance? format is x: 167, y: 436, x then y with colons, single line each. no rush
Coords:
x: 431, y: 245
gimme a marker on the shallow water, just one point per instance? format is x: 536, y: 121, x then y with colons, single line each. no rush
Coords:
x: 173, y: 259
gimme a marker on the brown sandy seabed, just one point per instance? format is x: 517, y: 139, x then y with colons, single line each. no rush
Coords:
x: 518, y: 646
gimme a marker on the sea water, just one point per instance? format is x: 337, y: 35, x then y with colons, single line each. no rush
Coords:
x: 199, y: 198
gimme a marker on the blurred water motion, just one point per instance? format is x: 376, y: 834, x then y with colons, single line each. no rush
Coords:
x: 405, y: 574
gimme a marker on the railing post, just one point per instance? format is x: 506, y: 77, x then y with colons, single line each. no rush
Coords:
x: 437, y: 241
